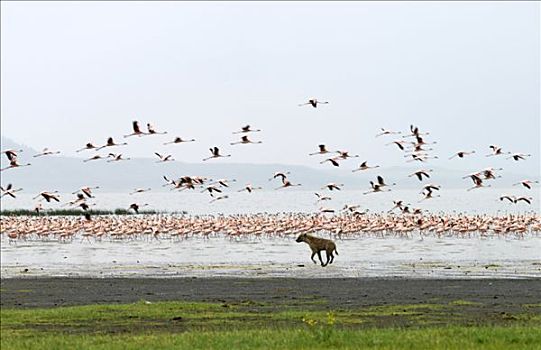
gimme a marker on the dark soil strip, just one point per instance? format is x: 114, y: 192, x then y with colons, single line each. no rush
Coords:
x: 499, y: 295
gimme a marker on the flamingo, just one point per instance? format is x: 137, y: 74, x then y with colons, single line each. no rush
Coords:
x: 14, y: 163
x: 420, y: 174
x: 249, y: 188
x: 244, y: 140
x: 211, y: 189
x: 9, y: 191
x: 428, y: 194
x: 345, y: 155
x: 313, y: 102
x: 415, y: 132
x: 496, y: 151
x: 139, y: 190
x: 332, y: 186
x: 45, y: 152
x: 382, y: 183
x: 526, y: 183
x: 116, y: 157
x: 215, y: 151
x: 152, y: 131
x: 321, y: 198
x: 286, y: 183
x: 11, y: 153
x: 218, y: 198
x: 135, y: 207
x: 461, y: 154
x: 420, y: 158
x: 364, y: 166
x: 246, y: 129
x: 511, y: 199
x: 87, y: 191
x: 48, y: 196
x: 397, y: 205
x: 400, y: 144
x: 96, y: 157
x: 136, y: 130
x: 376, y: 188
x: 178, y: 140
x: 111, y: 143
x: 331, y: 160
x: 89, y: 145
x: 478, y: 183
x: 280, y: 174
x: 519, y: 156
x: 387, y: 132
x: 164, y: 158
x: 322, y: 150
x: 524, y: 199
x: 222, y: 182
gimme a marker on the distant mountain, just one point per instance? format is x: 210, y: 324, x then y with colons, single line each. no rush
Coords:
x: 69, y: 173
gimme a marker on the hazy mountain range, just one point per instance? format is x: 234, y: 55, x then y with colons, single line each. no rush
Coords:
x: 69, y: 173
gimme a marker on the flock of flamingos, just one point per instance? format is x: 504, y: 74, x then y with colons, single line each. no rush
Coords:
x: 402, y: 219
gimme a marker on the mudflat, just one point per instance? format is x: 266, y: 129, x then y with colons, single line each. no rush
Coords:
x: 494, y: 295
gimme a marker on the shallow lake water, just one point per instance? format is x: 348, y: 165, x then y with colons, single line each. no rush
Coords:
x: 429, y: 257
x: 507, y: 257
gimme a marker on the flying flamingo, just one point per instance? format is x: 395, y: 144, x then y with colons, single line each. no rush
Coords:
x: 163, y: 158
x: 215, y: 151
x: 152, y: 131
x: 286, y: 183
x: 135, y: 207
x: 519, y: 156
x: 246, y: 129
x: 313, y: 102
x: 96, y: 157
x: 89, y: 145
x: 218, y: 198
x: 48, y: 196
x: 45, y: 152
x: 322, y: 150
x: 421, y: 173
x: 280, y: 174
x: 136, y: 130
x: 461, y: 154
x: 116, y: 157
x: 387, y: 132
x: 526, y: 183
x: 244, y: 140
x: 179, y: 140
x: 249, y: 188
x: 9, y: 191
x: 140, y: 190
x: 364, y: 166
x: 13, y: 163
x: 111, y: 143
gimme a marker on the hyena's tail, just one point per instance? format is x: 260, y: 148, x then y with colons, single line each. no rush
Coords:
x: 336, y: 251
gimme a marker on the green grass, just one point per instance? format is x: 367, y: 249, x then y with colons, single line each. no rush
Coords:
x: 250, y: 325
x: 431, y: 338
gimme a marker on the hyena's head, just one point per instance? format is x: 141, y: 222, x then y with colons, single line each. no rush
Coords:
x: 302, y: 237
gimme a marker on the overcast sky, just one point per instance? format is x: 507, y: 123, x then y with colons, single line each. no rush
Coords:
x: 466, y: 72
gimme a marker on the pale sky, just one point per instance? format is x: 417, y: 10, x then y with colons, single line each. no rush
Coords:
x: 467, y: 72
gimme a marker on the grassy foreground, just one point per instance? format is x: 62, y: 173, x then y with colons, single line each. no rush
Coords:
x: 250, y: 325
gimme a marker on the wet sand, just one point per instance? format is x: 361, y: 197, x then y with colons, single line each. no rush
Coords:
x: 494, y: 295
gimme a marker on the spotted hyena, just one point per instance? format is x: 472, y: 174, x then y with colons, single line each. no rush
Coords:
x: 317, y: 245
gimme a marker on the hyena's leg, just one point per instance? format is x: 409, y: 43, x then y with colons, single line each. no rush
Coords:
x: 328, y: 257
x: 312, y: 257
x: 330, y: 254
x: 320, y: 259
